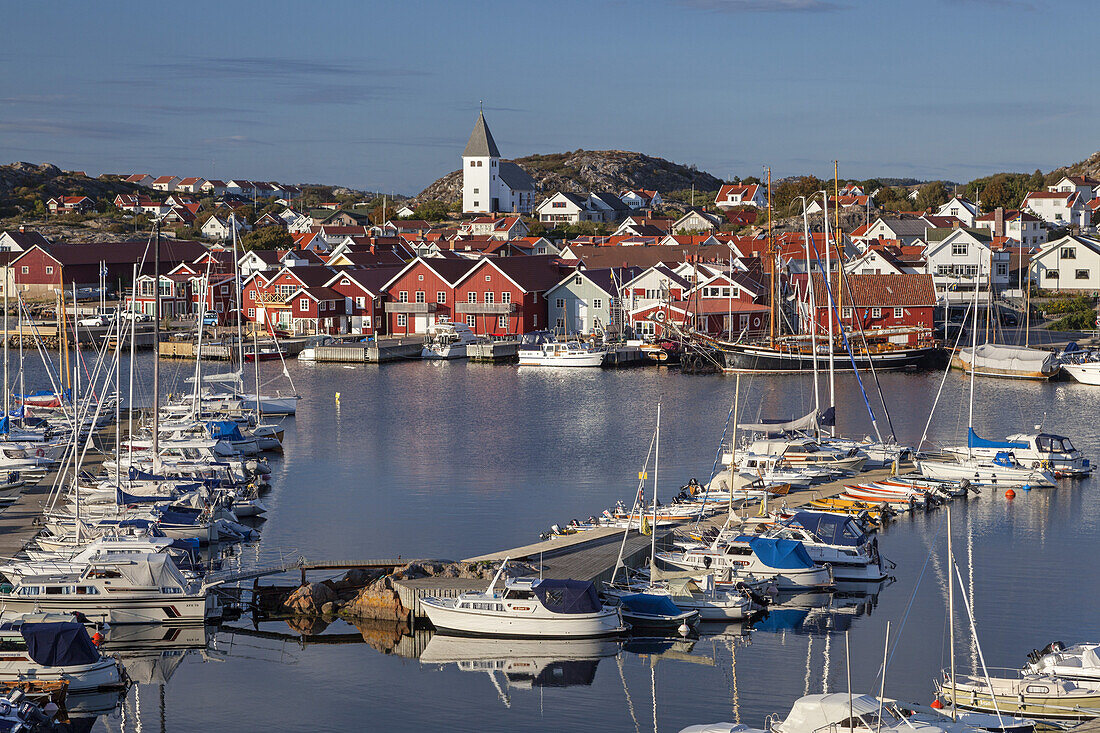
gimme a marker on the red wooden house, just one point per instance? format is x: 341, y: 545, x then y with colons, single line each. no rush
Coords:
x: 316, y: 310
x: 268, y: 298
x: 873, y: 302
x: 423, y: 293
x: 505, y: 295
x: 362, y: 289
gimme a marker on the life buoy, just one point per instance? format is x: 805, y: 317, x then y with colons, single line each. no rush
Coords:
x: 40, y: 452
x: 756, y: 320
x: 659, y: 316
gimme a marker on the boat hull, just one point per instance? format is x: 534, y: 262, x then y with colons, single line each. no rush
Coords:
x: 16, y: 667
x: 180, y: 610
x: 765, y: 359
x: 564, y: 626
x: 1084, y: 373
x: 454, y: 351
x: 984, y: 474
x: 976, y: 696
x: 594, y: 359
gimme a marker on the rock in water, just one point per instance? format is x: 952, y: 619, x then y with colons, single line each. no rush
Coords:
x: 310, y: 598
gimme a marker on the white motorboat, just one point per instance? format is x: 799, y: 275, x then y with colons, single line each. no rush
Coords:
x: 557, y: 354
x: 1003, y: 470
x: 837, y: 541
x: 806, y: 453
x: 551, y: 609
x: 55, y: 652
x: 1085, y: 372
x: 1037, y: 696
x: 1078, y: 662
x: 786, y: 560
x: 1035, y: 450
x: 447, y: 340
x: 140, y: 591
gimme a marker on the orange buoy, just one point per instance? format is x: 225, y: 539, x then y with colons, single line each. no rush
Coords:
x: 1010, y: 494
x: 936, y: 704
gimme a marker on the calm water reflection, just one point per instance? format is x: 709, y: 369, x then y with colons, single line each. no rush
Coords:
x: 452, y: 460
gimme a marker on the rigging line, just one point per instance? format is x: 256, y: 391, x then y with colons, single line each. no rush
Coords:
x: 847, y: 346
x: 912, y: 597
x: 870, y: 362
x: 714, y: 469
x: 943, y: 381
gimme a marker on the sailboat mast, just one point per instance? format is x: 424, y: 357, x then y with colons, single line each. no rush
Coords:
x: 836, y: 236
x: 653, y: 529
x: 973, y: 361
x: 237, y: 299
x: 130, y: 397
x: 813, y: 301
x: 832, y: 316
x: 733, y: 440
x: 951, y: 611
x: 156, y: 343
x: 7, y: 337
x: 771, y: 266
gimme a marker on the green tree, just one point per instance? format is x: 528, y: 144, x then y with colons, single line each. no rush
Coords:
x: 931, y: 195
x: 268, y: 238
x: 430, y: 211
x: 1036, y: 182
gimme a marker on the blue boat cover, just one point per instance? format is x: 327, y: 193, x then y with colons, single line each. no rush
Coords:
x: 568, y: 596
x: 181, y: 518
x: 5, y: 425
x: 651, y: 604
x: 781, y: 554
x: 781, y: 619
x: 833, y: 529
x: 973, y: 441
x: 224, y: 430
x: 59, y: 644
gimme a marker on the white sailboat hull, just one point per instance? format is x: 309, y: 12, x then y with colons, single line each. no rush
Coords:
x: 986, y: 474
x: 149, y: 608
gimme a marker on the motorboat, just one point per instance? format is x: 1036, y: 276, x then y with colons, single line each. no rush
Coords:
x: 1002, y: 470
x: 1046, y: 451
x: 55, y: 652
x: 558, y: 354
x: 447, y: 340
x: 1039, y: 696
x: 806, y: 452
x: 838, y: 541
x: 837, y: 712
x: 655, y: 611
x: 1078, y: 662
x: 526, y: 607
x: 149, y: 589
x: 786, y: 560
x: 1085, y: 372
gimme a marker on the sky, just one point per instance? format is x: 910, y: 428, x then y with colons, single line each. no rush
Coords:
x: 382, y: 95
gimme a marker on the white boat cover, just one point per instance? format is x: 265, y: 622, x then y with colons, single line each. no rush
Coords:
x: 1011, y: 359
x: 152, y: 570
x: 223, y: 378
x: 814, y: 712
x: 806, y: 422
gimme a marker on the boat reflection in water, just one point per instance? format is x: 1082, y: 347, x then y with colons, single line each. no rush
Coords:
x: 522, y: 663
x: 818, y: 613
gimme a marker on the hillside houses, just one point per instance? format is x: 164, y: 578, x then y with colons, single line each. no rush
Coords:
x: 733, y: 195
x: 1059, y: 208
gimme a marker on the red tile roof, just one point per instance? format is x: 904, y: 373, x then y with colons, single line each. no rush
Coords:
x: 885, y: 291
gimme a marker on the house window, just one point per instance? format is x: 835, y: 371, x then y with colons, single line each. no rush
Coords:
x: 402, y: 320
x: 1002, y: 268
x: 345, y: 281
x: 597, y: 303
x: 561, y: 323
x: 471, y: 297
x: 534, y: 320
x: 479, y: 164
x: 1052, y: 274
x: 473, y: 163
x: 420, y: 296
x: 26, y: 269
x: 440, y: 297
x: 488, y: 296
x: 252, y: 294
x: 506, y: 297
x: 477, y: 203
x: 471, y: 320
x: 958, y: 250
x: 502, y: 322
x: 303, y: 304
x: 322, y: 305
x: 1069, y: 253
x: 846, y: 312
x: 49, y: 269
x: 476, y: 191
x: 403, y: 296
x: 558, y: 205
x: 366, y: 321
x: 744, y: 321
x: 251, y: 312
x: 560, y: 302
x: 360, y: 302
x: 420, y: 278
x: 488, y: 278
x: 899, y: 312
x: 1082, y: 274
x: 578, y: 280
x: 876, y: 313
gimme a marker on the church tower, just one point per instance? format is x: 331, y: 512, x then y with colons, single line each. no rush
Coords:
x: 481, y: 185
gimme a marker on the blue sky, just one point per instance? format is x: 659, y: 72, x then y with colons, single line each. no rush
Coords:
x: 382, y: 96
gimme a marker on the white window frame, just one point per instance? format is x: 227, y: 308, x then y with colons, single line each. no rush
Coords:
x: 402, y: 320
x: 471, y: 320
x: 876, y: 313
x: 303, y: 304
x: 899, y: 313
x: 441, y: 296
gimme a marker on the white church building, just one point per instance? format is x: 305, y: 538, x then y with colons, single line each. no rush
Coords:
x: 491, y: 185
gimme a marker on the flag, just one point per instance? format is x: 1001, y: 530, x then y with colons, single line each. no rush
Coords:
x: 103, y: 270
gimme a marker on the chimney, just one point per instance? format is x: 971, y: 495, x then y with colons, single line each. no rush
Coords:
x: 999, y: 222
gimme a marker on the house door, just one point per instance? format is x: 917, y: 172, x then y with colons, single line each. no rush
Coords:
x: 581, y: 325
x: 420, y: 324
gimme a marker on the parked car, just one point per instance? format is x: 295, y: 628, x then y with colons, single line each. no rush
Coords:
x: 135, y: 316
x: 93, y: 322
x: 210, y: 319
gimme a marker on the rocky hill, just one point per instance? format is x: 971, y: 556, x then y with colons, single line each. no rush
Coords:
x: 23, y: 183
x: 1089, y: 167
x: 582, y: 171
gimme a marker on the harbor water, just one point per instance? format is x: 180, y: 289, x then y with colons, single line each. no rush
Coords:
x: 451, y: 460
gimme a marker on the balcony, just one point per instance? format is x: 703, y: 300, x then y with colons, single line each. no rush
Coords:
x: 398, y: 307
x: 270, y: 298
x: 496, y: 309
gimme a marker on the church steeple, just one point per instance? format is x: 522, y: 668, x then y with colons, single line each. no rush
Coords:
x: 481, y: 143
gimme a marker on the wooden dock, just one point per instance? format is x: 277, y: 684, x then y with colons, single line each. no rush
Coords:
x: 591, y: 555
x: 494, y: 351
x: 17, y: 522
